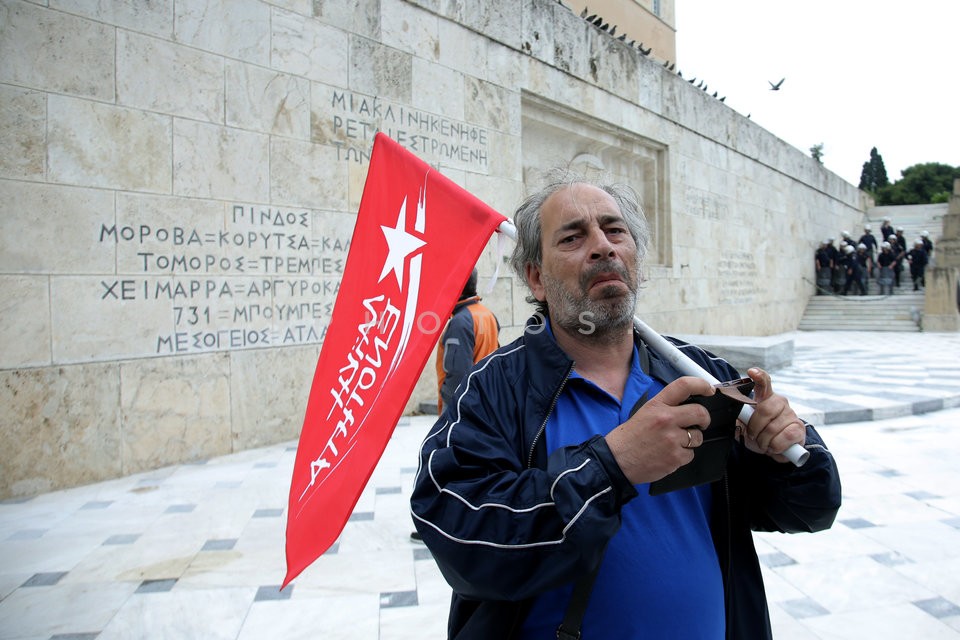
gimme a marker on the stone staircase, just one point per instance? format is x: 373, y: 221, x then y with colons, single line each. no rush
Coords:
x: 901, y: 311
x: 914, y: 219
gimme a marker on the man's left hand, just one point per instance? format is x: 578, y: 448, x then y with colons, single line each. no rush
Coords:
x: 774, y: 426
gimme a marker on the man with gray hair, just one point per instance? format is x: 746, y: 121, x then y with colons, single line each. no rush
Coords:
x: 533, y: 488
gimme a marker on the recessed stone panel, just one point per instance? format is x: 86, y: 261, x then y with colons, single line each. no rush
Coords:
x: 554, y: 137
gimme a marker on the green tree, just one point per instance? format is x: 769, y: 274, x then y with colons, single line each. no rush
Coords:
x: 874, y: 174
x: 816, y: 152
x: 920, y: 184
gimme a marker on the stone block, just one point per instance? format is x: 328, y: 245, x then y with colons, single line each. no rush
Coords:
x: 941, y: 310
x: 233, y: 28
x: 101, y: 318
x: 174, y: 410
x: 500, y: 65
x: 91, y: 144
x: 53, y: 229
x: 304, y: 47
x: 539, y: 28
x: 490, y: 105
x: 23, y: 124
x: 349, y: 120
x: 179, y: 80
x: 268, y: 394
x: 293, y: 185
x: 502, y: 194
x: 428, y: 408
x: 440, y: 89
x: 60, y: 427
x: 266, y: 101
x: 24, y: 322
x: 496, y: 18
x: 503, y: 160
x: 148, y: 227
x: 379, y: 70
x: 407, y: 28
x: 220, y: 162
x: 303, y: 7
x: 425, y: 390
x: 334, y: 232
x: 154, y: 17
x: 767, y: 352
x: 361, y: 16
x: 56, y: 52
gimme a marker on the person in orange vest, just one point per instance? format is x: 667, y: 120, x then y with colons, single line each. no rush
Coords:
x: 471, y: 333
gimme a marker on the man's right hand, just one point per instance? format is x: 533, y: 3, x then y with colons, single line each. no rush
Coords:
x: 657, y: 439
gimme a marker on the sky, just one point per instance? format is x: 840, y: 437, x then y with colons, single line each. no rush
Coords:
x: 857, y: 74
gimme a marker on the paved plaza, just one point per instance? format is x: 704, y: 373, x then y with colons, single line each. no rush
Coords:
x: 197, y: 550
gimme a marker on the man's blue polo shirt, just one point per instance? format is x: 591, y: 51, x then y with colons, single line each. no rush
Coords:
x: 660, y: 576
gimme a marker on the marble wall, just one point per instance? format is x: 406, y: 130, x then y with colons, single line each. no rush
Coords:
x: 179, y: 182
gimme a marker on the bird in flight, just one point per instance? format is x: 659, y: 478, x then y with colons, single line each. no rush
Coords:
x: 776, y: 87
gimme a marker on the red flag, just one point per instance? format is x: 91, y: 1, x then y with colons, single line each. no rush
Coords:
x: 417, y: 237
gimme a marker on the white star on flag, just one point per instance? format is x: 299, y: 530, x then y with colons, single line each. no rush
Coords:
x: 400, y: 244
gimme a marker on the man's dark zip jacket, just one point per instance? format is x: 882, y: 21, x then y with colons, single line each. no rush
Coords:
x: 505, y: 522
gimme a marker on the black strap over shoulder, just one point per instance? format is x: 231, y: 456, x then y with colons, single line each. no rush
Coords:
x: 569, y: 629
x: 644, y: 357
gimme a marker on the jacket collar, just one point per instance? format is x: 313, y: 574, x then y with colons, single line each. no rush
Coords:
x: 545, y: 353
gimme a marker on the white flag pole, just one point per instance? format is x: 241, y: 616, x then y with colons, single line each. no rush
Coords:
x: 796, y: 453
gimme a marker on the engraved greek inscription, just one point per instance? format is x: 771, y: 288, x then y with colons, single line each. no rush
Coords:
x: 738, y: 275
x: 354, y: 120
x: 261, y: 276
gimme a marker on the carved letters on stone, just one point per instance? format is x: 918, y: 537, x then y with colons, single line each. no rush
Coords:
x: 737, y: 277
x: 265, y: 279
x: 350, y: 121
